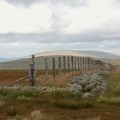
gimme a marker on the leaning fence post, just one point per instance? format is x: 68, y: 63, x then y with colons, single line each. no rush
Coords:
x: 32, y: 72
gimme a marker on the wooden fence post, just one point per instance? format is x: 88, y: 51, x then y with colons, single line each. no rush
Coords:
x: 78, y: 63
x: 32, y: 72
x: 75, y: 62
x: 92, y: 63
x: 59, y: 65
x: 64, y: 64
x: 54, y: 68
x: 46, y: 69
x: 72, y: 62
x: 68, y: 64
x: 86, y: 62
x: 83, y: 63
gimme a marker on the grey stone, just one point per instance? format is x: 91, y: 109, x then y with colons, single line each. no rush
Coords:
x: 88, y: 95
x: 75, y: 88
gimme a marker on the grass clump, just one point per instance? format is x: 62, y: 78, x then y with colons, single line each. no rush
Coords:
x: 109, y: 100
x: 36, y: 115
x: 2, y: 103
x: 113, y: 81
x: 11, y: 111
x: 72, y: 104
x: 29, y: 92
x: 65, y: 95
x: 96, y: 118
x: 23, y: 98
x: 10, y: 93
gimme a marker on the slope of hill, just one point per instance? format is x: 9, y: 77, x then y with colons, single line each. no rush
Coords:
x: 94, y: 54
x: 40, y: 63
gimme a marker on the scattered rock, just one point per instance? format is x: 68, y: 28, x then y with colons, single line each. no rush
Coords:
x: 88, y: 95
x: 75, y: 88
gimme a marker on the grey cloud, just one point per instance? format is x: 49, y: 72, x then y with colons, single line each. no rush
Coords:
x: 18, y: 45
x: 30, y: 2
x: 23, y: 2
x: 53, y: 37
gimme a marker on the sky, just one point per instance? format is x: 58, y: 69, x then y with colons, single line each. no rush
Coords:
x: 32, y: 26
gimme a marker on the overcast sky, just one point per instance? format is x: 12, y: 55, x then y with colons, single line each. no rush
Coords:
x: 30, y: 26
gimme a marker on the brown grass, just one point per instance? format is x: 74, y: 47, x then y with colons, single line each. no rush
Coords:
x: 60, y: 80
x: 8, y: 76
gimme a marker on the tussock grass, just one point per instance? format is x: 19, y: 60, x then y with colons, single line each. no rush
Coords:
x: 109, y: 100
x: 2, y: 103
x: 10, y: 93
x: 11, y: 111
x: 114, y: 83
x: 60, y: 80
x: 95, y: 118
x: 23, y: 98
x: 70, y: 104
x: 34, y: 115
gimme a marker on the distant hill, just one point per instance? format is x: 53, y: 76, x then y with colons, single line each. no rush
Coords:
x: 24, y: 62
x: 99, y: 54
x: 94, y: 54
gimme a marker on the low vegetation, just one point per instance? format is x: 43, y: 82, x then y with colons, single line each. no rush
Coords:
x: 31, y: 104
